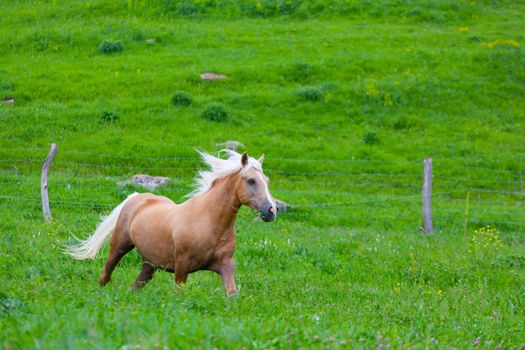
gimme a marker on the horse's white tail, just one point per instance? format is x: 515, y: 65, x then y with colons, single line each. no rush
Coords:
x: 89, y: 248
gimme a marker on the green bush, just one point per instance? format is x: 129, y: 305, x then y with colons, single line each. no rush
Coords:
x: 5, y: 85
x: 181, y: 98
x: 187, y: 8
x: 329, y: 86
x: 370, y: 138
x: 299, y: 72
x: 215, y: 112
x: 108, y: 47
x: 108, y: 116
x: 403, y: 122
x: 310, y: 94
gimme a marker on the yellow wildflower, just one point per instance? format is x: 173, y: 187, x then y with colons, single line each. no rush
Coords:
x: 397, y: 288
x: 371, y: 89
x: 486, y: 237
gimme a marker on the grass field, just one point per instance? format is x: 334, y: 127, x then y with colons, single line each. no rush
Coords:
x: 345, y: 98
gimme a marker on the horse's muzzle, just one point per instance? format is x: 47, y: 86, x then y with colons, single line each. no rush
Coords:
x: 269, y: 214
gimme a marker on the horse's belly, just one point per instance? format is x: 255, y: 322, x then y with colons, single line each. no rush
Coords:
x: 151, y: 234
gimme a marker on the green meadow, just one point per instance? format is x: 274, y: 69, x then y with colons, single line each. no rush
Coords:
x: 344, y: 98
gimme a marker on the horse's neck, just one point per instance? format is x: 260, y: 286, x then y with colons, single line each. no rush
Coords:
x: 222, y: 203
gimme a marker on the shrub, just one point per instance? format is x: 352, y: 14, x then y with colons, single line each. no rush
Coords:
x: 370, y: 138
x: 108, y: 47
x: 215, y: 112
x: 329, y: 86
x: 403, y: 123
x: 5, y: 85
x: 187, y: 8
x: 181, y: 98
x: 310, y: 94
x: 299, y: 72
x: 108, y: 116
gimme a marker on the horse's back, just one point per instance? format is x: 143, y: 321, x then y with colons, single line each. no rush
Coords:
x: 149, y: 199
x: 138, y: 203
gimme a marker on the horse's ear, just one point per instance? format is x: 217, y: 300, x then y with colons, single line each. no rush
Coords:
x: 244, y: 159
x: 261, y: 159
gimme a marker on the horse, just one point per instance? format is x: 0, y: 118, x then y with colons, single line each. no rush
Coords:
x: 198, y: 234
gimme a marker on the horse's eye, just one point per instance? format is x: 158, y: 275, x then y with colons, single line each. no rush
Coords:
x: 251, y: 182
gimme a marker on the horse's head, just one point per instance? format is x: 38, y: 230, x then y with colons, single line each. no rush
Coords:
x: 253, y: 189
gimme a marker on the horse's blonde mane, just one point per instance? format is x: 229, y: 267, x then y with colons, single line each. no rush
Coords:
x: 220, y: 168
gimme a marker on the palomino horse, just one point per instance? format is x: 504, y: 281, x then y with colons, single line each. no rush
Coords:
x: 198, y: 234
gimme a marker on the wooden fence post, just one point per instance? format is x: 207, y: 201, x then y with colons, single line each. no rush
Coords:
x: 427, y: 194
x: 43, y: 183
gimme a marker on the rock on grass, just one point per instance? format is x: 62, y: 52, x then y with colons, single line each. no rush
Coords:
x: 147, y: 181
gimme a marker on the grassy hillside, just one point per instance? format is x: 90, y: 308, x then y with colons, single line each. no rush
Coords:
x: 345, y: 98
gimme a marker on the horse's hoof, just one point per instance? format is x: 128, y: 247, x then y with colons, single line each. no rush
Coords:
x: 232, y: 294
x: 103, y: 281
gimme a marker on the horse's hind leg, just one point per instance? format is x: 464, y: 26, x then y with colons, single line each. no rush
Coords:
x: 145, y: 276
x: 119, y: 246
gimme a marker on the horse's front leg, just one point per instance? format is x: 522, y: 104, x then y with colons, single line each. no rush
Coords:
x: 226, y: 269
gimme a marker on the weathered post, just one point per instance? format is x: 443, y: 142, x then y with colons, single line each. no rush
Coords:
x: 427, y: 194
x: 43, y: 183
